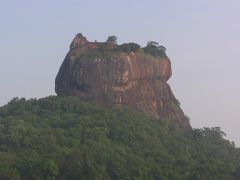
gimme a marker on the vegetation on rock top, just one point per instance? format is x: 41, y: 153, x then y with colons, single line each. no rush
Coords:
x: 111, y: 48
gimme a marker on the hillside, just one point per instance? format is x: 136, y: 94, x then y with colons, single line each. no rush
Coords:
x: 65, y: 138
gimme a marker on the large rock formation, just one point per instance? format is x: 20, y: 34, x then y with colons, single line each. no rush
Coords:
x: 98, y: 73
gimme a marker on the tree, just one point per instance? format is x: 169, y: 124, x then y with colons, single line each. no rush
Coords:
x: 162, y: 48
x: 9, y: 173
x: 112, y: 39
x: 128, y: 47
x: 154, y: 49
x: 66, y: 138
x: 152, y: 43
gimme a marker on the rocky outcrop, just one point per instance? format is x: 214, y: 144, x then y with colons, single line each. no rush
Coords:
x: 112, y: 78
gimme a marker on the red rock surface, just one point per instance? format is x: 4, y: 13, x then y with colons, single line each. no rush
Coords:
x: 136, y: 80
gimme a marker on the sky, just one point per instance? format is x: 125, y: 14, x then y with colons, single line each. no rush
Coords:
x: 202, y: 38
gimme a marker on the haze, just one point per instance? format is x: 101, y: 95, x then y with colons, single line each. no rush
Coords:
x: 202, y: 40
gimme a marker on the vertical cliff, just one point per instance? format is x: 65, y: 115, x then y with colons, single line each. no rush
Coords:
x: 106, y: 74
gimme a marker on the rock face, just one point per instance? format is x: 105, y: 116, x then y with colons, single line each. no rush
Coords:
x: 135, y: 79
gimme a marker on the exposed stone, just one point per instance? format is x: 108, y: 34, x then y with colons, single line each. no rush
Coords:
x: 136, y: 80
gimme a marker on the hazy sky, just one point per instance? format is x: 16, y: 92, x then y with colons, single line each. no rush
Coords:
x: 202, y: 38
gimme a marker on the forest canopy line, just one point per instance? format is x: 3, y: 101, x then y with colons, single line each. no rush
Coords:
x: 65, y: 138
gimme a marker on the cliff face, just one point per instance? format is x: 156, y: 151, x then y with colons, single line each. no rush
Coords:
x: 134, y: 79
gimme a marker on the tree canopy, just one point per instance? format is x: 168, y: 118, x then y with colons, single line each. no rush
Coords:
x: 129, y: 47
x: 112, y: 39
x: 65, y: 138
x: 154, y: 49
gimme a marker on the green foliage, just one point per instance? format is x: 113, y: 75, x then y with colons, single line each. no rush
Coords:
x: 102, y: 52
x: 154, y: 49
x: 64, y: 138
x: 129, y: 47
x: 112, y: 39
x: 110, y: 49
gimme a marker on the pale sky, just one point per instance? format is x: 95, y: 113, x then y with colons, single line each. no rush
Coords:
x: 202, y: 38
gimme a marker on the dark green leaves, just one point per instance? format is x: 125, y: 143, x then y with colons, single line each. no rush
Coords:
x: 66, y: 138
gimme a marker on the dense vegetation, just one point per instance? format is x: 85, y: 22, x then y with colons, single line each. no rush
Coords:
x: 110, y: 49
x: 129, y: 47
x: 154, y: 49
x: 64, y: 138
x: 106, y: 50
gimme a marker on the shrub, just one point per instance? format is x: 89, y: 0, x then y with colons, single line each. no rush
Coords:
x: 112, y: 39
x: 128, y: 47
x: 154, y: 49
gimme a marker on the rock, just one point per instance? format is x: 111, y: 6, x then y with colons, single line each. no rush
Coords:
x: 112, y: 78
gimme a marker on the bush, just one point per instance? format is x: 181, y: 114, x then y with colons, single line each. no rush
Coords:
x: 112, y: 39
x: 129, y: 47
x: 155, y: 50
